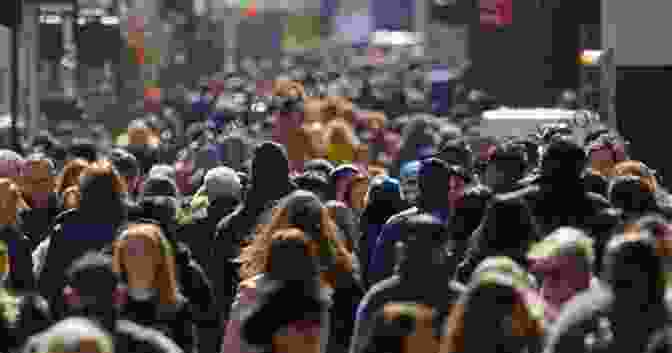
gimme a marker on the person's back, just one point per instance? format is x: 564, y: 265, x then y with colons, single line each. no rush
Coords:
x: 425, y: 265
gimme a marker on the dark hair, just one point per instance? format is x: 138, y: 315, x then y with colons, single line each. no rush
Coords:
x: 92, y: 272
x: 84, y: 149
x: 631, y: 194
x: 314, y: 182
x: 124, y: 162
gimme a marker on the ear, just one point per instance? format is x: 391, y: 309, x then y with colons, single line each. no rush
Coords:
x: 71, y: 296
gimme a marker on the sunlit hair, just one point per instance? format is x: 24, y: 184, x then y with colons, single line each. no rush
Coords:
x: 354, y: 182
x: 637, y: 168
x: 71, y: 197
x: 474, y: 316
x: 70, y: 175
x: 11, y: 201
x: 139, y: 133
x: 254, y: 257
x: 281, y: 88
x: 339, y: 108
x: 160, y: 256
x: 105, y: 169
x: 341, y: 133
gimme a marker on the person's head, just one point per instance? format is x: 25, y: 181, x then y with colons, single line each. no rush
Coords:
x: 633, y: 269
x: 632, y: 195
x: 404, y: 327
x: 269, y: 164
x: 11, y: 164
x: 70, y: 174
x: 11, y: 201
x: 92, y: 288
x: 661, y: 230
x: 356, y: 193
x: 163, y: 170
x: 140, y: 133
x: 321, y: 166
x: 300, y: 209
x: 83, y: 149
x: 159, y: 186
x: 507, y: 164
x: 498, y: 307
x: 340, y: 179
x: 409, y: 181
x: 457, y: 152
x: 565, y: 261
x: 433, y: 184
x: 563, y: 161
x: 101, y: 186
x: 222, y: 182
x: 508, y: 223
x: 639, y: 169
x: 37, y: 184
x: 72, y: 335
x: 145, y: 261
x: 292, y: 256
x: 126, y: 165
x: 604, y: 153
x: 428, y: 248
x: 314, y: 182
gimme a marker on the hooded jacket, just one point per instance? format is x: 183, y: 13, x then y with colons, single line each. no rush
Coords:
x: 433, y: 199
x: 384, y: 202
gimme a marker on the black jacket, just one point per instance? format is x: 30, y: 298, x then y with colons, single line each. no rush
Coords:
x: 21, y: 276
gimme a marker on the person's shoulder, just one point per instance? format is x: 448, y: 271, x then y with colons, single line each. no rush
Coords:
x: 582, y: 309
x: 152, y: 340
x: 401, y: 216
x: 597, y: 200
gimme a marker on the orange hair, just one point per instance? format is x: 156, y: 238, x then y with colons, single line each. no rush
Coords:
x: 160, y: 252
x: 422, y: 339
x: 282, y: 87
x: 254, y: 257
x: 10, y: 201
x: 70, y: 175
x: 454, y: 336
x: 37, y: 176
x: 71, y: 197
x: 637, y: 168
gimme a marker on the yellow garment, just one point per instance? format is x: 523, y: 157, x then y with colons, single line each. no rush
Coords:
x: 340, y: 153
x: 199, y: 203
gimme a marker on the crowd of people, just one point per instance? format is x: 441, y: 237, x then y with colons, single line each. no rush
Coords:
x: 331, y: 222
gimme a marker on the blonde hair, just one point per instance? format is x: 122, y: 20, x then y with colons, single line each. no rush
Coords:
x: 254, y: 257
x: 11, y: 201
x: 523, y: 324
x: 637, y: 168
x: 165, y: 280
x: 70, y: 175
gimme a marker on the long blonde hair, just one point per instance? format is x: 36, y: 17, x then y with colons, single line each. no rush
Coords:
x: 11, y: 201
x: 70, y: 175
x: 160, y: 252
x: 254, y: 257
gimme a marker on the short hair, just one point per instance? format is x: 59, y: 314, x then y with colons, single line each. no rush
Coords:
x: 92, y: 271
